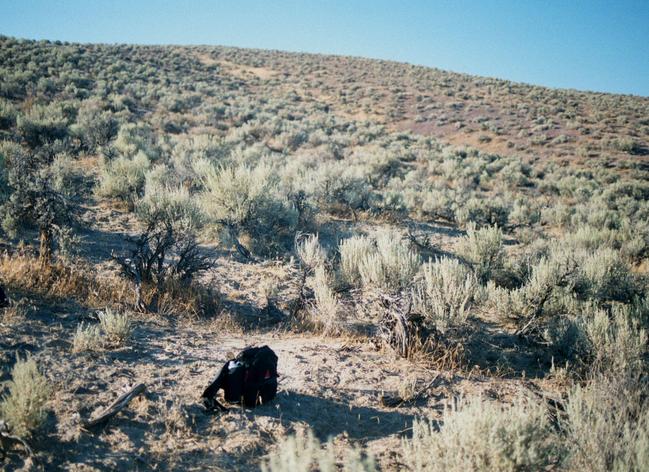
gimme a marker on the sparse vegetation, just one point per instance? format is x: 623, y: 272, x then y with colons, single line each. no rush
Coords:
x: 233, y: 196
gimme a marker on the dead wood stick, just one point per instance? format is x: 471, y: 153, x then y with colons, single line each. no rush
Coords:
x: 7, y: 440
x: 115, y: 407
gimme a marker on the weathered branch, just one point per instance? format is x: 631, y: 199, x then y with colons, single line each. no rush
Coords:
x: 115, y: 407
x: 8, y: 440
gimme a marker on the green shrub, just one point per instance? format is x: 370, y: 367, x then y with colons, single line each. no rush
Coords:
x: 304, y: 453
x: 7, y: 114
x: 388, y: 264
x: 483, y: 248
x: 607, y: 425
x: 604, y: 276
x: 65, y: 176
x: 245, y: 201
x: 617, y: 342
x: 124, y: 178
x: 42, y: 125
x: 24, y: 407
x: 480, y: 435
x: 445, y: 292
x: 94, y: 126
x: 482, y: 212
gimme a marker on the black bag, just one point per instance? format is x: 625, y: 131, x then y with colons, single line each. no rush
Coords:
x: 250, y: 378
x: 4, y: 300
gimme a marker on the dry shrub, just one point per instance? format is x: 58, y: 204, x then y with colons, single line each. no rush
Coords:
x: 17, y: 311
x: 184, y: 299
x: 479, y: 435
x: 24, y: 407
x: 60, y: 281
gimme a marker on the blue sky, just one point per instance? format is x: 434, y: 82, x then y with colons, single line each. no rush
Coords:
x: 595, y: 45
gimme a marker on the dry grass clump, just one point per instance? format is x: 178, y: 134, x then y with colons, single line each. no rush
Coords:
x: 304, y: 453
x: 479, y: 435
x: 178, y: 298
x: 61, y: 281
x: 16, y: 311
x: 23, y: 408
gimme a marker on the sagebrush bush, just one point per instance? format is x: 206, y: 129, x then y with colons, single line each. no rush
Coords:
x: 480, y: 435
x: 116, y: 327
x: 87, y: 338
x: 445, y: 291
x: 94, y: 127
x: 244, y: 201
x: 304, y: 453
x: 483, y: 248
x: 607, y: 425
x: 478, y: 212
x: 353, y: 251
x: 617, y: 341
x: 391, y: 265
x: 123, y: 177
x: 42, y: 125
x: 326, y: 302
x: 310, y: 252
x: 24, y: 407
x: 604, y: 276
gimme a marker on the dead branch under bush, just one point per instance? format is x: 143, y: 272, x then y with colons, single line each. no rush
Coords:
x: 7, y: 441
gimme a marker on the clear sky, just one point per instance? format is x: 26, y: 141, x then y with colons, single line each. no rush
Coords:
x: 595, y: 45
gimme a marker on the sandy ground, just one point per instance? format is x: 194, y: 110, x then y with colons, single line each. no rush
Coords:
x: 331, y: 385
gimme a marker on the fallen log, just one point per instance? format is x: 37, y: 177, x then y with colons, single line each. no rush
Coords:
x: 115, y: 407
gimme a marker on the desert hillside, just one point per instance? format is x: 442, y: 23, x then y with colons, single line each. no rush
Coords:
x: 453, y: 270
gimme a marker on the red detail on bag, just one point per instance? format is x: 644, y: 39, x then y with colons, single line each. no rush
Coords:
x: 267, y: 375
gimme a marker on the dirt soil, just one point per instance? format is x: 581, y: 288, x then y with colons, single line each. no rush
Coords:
x: 332, y: 385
